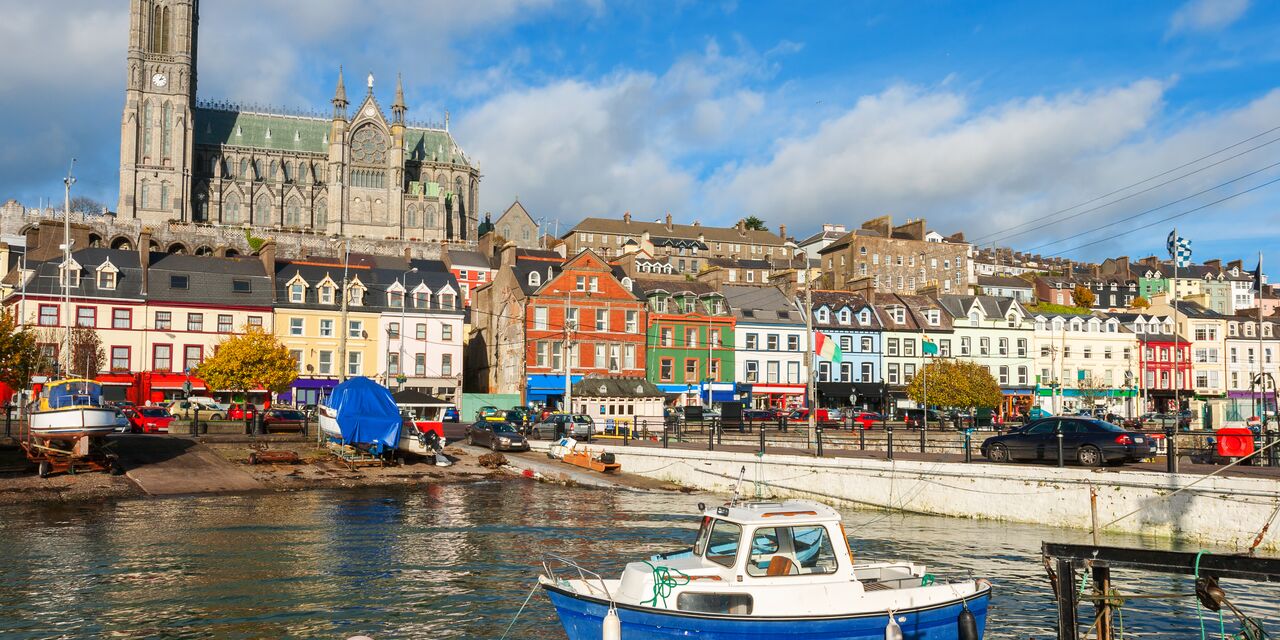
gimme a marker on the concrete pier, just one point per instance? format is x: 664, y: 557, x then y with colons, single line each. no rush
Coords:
x: 1228, y: 511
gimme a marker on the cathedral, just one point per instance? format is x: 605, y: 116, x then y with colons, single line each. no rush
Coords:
x: 355, y: 174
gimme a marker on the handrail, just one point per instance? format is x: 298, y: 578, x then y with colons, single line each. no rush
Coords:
x: 582, y: 573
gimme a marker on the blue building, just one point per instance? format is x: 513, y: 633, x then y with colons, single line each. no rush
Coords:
x: 851, y: 321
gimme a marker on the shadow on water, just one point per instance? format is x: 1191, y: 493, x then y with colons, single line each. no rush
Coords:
x: 444, y: 562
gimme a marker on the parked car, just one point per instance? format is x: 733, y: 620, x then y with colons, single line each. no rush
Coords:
x: 242, y: 411
x: 148, y: 419
x: 759, y: 415
x: 577, y: 426
x: 122, y: 421
x: 914, y: 417
x: 186, y: 410
x: 488, y: 411
x: 451, y: 414
x: 310, y: 409
x: 1088, y: 441
x: 514, y: 416
x: 283, y: 420
x: 866, y: 419
x: 823, y: 415
x: 499, y: 436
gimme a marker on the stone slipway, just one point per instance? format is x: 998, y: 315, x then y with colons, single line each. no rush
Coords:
x: 168, y: 466
x: 1228, y: 511
x: 538, y: 462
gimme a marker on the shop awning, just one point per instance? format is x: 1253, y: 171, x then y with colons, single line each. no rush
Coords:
x: 116, y: 379
x: 174, y: 382
x: 780, y: 389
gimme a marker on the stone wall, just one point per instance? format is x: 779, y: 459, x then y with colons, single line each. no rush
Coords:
x: 110, y: 231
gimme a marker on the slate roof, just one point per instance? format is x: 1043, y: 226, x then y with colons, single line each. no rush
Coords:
x: 831, y: 235
x: 761, y: 305
x: 375, y: 280
x: 208, y: 280
x: 616, y: 387
x: 673, y: 286
x: 1195, y: 310
x: 992, y: 306
x: 686, y: 231
x: 546, y: 272
x: 837, y: 300
x: 912, y: 319
x: 44, y: 280
x: 469, y: 259
x: 739, y: 263
x: 1008, y: 282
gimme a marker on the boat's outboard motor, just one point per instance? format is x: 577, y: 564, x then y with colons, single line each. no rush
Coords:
x: 431, y: 441
x: 966, y: 625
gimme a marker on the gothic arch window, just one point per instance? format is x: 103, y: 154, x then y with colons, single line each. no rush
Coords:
x: 322, y: 213
x: 262, y: 210
x: 287, y: 173
x: 231, y: 209
x: 411, y: 217
x: 275, y: 169
x: 144, y: 198
x: 369, y: 146
x: 244, y: 168
x: 159, y: 32
x: 302, y: 172
x: 166, y: 139
x: 457, y: 191
x: 293, y: 213
x: 215, y: 163
x: 146, y: 130
x: 431, y: 216
x: 257, y: 170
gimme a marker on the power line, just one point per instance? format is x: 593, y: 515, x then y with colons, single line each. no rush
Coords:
x: 1154, y: 209
x: 1140, y: 182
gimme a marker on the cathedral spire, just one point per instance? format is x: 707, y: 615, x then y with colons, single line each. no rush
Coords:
x: 397, y: 107
x: 340, y: 97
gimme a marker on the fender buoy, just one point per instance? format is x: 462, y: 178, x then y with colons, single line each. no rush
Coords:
x: 892, y: 631
x: 966, y: 625
x: 612, y: 628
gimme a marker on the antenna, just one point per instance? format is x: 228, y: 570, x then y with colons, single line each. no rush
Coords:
x: 741, y: 472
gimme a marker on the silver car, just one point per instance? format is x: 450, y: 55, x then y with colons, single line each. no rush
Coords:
x: 576, y: 426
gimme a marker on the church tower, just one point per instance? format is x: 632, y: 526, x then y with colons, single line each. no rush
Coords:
x: 156, y: 130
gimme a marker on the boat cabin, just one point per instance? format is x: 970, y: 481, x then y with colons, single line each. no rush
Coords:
x: 65, y: 394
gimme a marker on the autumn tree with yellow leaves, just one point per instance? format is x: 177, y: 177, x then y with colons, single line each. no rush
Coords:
x: 250, y: 360
x: 955, y: 384
x: 19, y: 352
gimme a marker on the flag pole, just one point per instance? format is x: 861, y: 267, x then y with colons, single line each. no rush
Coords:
x: 810, y: 394
x: 1262, y: 387
x: 1177, y: 368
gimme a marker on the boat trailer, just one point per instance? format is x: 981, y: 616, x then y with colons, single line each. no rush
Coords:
x: 84, y: 454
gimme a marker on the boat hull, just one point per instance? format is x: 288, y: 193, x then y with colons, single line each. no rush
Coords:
x: 582, y: 618
x: 329, y: 424
x: 72, y: 423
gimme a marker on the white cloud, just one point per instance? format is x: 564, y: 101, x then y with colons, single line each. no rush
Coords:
x: 1206, y: 15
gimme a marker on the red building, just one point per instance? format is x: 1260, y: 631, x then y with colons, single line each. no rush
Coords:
x: 1165, y: 365
x: 471, y: 268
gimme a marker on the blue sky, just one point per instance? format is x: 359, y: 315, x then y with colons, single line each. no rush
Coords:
x: 976, y: 115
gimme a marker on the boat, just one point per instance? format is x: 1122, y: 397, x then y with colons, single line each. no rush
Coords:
x: 422, y: 432
x: 71, y: 409
x: 361, y: 413
x: 796, y: 579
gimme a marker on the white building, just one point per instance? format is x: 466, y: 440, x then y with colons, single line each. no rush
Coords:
x: 1086, y: 362
x: 771, y: 345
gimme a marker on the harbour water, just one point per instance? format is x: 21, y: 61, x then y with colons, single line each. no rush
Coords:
x: 451, y: 561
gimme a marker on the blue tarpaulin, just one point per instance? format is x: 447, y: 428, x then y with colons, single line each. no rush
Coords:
x: 366, y: 412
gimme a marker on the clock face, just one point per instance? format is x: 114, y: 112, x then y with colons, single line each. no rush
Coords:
x: 159, y: 80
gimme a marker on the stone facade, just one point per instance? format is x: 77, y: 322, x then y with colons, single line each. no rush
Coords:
x: 902, y: 259
x: 687, y: 247
x: 220, y: 163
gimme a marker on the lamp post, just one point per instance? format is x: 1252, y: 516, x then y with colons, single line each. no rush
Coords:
x: 404, y: 302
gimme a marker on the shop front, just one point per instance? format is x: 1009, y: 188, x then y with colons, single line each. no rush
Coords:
x: 547, y: 389
x: 156, y: 388
x: 305, y: 391
x: 866, y: 396
x: 777, y: 396
x: 1015, y: 401
x: 117, y: 387
x: 1123, y: 402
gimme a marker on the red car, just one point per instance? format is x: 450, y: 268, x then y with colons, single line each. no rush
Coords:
x: 866, y: 419
x: 283, y: 419
x: 244, y: 411
x: 148, y: 419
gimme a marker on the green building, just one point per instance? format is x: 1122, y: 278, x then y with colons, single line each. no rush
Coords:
x: 690, y: 343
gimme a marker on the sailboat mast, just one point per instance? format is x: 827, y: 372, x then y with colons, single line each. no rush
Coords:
x: 65, y: 272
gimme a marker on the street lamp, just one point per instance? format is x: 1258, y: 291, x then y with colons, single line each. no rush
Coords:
x: 404, y: 302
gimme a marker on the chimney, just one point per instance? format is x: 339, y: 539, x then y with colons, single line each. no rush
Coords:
x: 626, y: 217
x: 782, y: 231
x: 267, y: 254
x: 508, y: 255
x: 144, y: 256
x: 1235, y: 264
x: 668, y: 221
x: 408, y: 253
x: 882, y: 225
x: 1215, y: 264
x: 742, y: 227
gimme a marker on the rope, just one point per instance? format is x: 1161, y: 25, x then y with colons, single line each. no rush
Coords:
x: 522, y: 606
x: 1222, y: 623
x: 664, y: 583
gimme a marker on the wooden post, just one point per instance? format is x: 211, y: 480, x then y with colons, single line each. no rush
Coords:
x: 1101, y: 576
x: 1066, y: 600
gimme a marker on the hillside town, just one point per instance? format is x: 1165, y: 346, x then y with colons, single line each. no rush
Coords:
x: 705, y: 314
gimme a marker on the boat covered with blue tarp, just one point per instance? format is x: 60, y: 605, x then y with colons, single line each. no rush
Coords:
x: 362, y: 412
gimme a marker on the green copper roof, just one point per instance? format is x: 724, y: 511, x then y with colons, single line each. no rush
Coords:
x: 261, y: 131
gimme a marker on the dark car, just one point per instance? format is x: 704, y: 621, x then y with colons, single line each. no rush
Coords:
x: 557, y: 425
x: 283, y: 419
x: 499, y: 436
x: 913, y: 418
x: 1088, y: 441
x: 759, y: 415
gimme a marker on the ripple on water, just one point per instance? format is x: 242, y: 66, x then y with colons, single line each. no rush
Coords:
x: 445, y: 562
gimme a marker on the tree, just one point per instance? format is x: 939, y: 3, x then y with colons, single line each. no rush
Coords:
x: 1083, y: 296
x: 755, y: 224
x: 956, y: 384
x: 248, y: 361
x: 87, y: 206
x: 1140, y: 303
x: 87, y: 355
x: 19, y: 352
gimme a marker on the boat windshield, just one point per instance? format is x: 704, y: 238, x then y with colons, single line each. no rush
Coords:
x: 722, y: 544
x: 75, y: 393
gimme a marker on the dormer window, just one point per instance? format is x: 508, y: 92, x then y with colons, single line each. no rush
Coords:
x: 535, y: 279
x: 975, y: 316
x: 355, y: 296
x: 823, y: 315
x: 326, y: 294
x: 933, y: 317
x: 864, y: 317
x: 421, y: 298
x: 107, y: 280
x: 845, y: 316
x: 395, y: 299
x: 447, y: 300
x: 899, y: 315
x: 297, y: 292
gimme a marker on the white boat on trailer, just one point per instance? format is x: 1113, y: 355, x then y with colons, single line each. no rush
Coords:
x: 766, y: 570
x: 71, y: 409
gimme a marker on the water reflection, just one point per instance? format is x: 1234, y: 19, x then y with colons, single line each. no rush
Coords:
x: 443, y: 561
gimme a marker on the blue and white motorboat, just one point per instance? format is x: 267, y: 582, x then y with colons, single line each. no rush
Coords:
x: 778, y: 570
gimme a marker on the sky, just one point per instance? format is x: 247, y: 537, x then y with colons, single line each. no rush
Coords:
x: 1084, y: 129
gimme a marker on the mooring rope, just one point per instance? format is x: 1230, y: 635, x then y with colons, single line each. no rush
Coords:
x: 520, y: 611
x: 664, y: 583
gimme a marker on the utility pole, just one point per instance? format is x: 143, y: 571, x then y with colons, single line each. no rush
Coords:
x: 344, y: 329
x: 1262, y: 391
x: 809, y: 361
x: 65, y: 273
x: 404, y: 301
x: 568, y: 345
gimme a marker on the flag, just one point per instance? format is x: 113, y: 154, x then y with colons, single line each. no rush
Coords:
x: 1179, y: 249
x: 1257, y: 276
x: 826, y: 348
x: 928, y: 347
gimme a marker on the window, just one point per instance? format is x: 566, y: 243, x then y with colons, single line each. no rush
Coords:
x: 446, y: 333
x: 665, y: 337
x: 891, y: 347
x: 325, y: 367
x: 393, y: 364
x: 751, y: 341
x: 752, y: 370
x: 580, y: 283
x: 781, y: 544
x: 195, y: 322
x: 326, y: 328
x: 107, y: 280
x: 908, y: 347
x: 192, y: 356
x: 164, y: 320
x: 355, y: 329
x: 393, y: 329
x: 420, y: 365
x: 1004, y: 375
x: 1022, y: 347
x: 867, y: 344
x: 296, y: 354
x: 541, y: 350
x: 691, y: 370
x: 908, y: 373
x: 793, y: 343
x: 255, y: 322
x: 984, y: 346
x: 944, y: 347
x: 353, y: 363
x: 355, y: 296
x: 557, y: 356
x: 602, y: 320
x: 771, y: 341
x: 162, y: 357
x: 540, y: 318
x: 224, y: 323
x: 177, y: 282
x: 119, y: 358
x: 629, y: 357
x: 666, y: 369
x: 121, y: 318
x: 395, y: 299
x: 691, y: 338
x: 1003, y: 346
x: 893, y: 373
x: 296, y: 326
x: 824, y: 371
x: 632, y: 322
x: 964, y: 345
x: 326, y: 294
x: 846, y: 344
x: 86, y: 316
x: 241, y: 286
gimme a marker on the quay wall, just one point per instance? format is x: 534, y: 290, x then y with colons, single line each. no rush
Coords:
x: 1226, y: 511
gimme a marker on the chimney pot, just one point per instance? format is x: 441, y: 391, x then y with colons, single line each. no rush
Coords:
x: 782, y: 231
x: 626, y: 217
